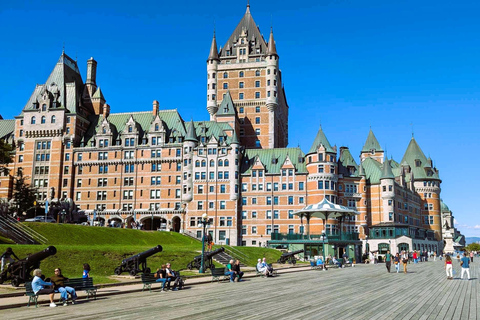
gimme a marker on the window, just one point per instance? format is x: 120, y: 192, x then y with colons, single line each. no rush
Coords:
x: 32, y: 121
x: 257, y: 84
x: 290, y: 199
x: 269, y: 230
x: 257, y: 95
x: 320, y: 185
x: 240, y: 96
x: 225, y: 75
x: 254, y: 230
x: 241, y: 85
x: 257, y: 144
x: 42, y: 120
x: 301, y: 186
x: 222, y: 205
x: 240, y: 110
x: 290, y: 214
x: 257, y: 73
x: 257, y: 109
x: 241, y: 74
x: 320, y: 168
x: 225, y: 85
x: 52, y: 119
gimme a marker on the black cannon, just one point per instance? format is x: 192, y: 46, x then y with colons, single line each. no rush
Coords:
x: 289, y: 257
x: 137, y: 263
x: 197, y: 261
x: 19, y: 271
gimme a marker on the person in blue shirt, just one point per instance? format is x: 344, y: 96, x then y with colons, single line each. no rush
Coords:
x: 86, y: 271
x: 38, y: 286
x: 465, y: 266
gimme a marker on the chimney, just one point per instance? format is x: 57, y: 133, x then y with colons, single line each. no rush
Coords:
x: 91, y: 72
x: 106, y: 110
x: 155, y: 108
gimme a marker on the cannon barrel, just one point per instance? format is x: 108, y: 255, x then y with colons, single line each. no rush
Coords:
x: 39, y: 256
x: 288, y: 254
x: 210, y: 254
x: 141, y: 257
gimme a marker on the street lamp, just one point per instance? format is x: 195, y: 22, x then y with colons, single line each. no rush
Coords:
x: 204, y: 225
x: 322, y: 237
x: 366, y: 244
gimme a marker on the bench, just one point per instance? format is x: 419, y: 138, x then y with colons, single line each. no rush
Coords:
x: 83, y: 284
x: 258, y: 273
x: 315, y: 266
x: 218, y: 274
x: 148, y: 279
x: 32, y: 296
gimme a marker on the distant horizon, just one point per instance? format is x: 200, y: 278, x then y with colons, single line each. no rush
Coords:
x: 395, y: 67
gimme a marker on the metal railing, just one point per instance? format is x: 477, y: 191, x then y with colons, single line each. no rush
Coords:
x: 345, y: 236
x: 19, y: 232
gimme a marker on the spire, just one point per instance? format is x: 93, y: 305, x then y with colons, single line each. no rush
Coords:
x: 191, y: 135
x: 213, y: 49
x: 235, y: 138
x: 361, y: 171
x: 387, y: 172
x: 321, y: 139
x: 98, y: 95
x: 371, y: 143
x: 413, y: 153
x: 272, y: 49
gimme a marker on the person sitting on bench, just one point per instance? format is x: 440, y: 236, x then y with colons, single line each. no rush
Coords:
x: 336, y: 262
x: 321, y: 264
x: 230, y: 272
x: 161, y: 276
x: 236, y: 268
x: 59, y: 282
x: 268, y: 267
x: 261, y: 268
x: 38, y: 286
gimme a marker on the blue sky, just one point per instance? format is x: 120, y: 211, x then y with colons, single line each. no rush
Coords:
x: 397, y: 66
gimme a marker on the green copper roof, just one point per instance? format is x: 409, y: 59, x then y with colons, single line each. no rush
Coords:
x: 320, y: 139
x: 273, y: 159
x: 98, y: 94
x: 171, y: 118
x: 345, y: 161
x: 65, y: 78
x: 234, y: 139
x: 205, y: 130
x: 373, y: 170
x: 444, y: 207
x: 191, y: 136
x: 7, y: 127
x: 371, y: 143
x: 387, y: 170
x: 417, y: 161
x: 226, y: 107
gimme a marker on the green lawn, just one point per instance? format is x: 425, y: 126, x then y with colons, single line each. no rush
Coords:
x: 104, y: 248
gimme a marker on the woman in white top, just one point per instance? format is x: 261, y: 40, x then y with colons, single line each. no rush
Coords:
x: 405, y: 261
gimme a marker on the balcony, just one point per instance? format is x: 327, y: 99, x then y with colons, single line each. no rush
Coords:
x: 345, y: 236
x: 352, y: 195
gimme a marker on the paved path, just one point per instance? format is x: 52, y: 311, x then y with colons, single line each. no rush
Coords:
x: 362, y: 292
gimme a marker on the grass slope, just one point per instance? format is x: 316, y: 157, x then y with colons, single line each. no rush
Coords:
x: 105, y: 248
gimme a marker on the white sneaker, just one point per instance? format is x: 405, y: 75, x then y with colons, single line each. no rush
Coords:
x: 65, y: 303
x: 52, y: 305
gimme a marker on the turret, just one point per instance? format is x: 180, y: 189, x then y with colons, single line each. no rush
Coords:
x: 387, y: 185
x: 272, y: 74
x: 212, y: 69
x: 372, y: 149
x: 234, y: 166
x: 189, y: 144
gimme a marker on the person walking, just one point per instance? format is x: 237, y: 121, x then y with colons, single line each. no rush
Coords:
x: 7, y: 257
x: 405, y: 261
x: 388, y: 261
x: 449, y: 267
x: 415, y: 256
x: 471, y: 256
x: 396, y: 261
x: 464, y: 262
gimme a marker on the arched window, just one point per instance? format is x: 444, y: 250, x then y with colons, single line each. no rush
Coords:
x: 220, y: 163
x: 204, y: 163
x: 212, y: 163
x: 43, y: 119
x: 44, y: 107
x: 156, y: 127
x: 52, y: 119
x: 33, y: 120
x: 225, y: 75
x: 225, y: 164
x: 257, y: 73
x: 130, y: 129
x: 197, y: 164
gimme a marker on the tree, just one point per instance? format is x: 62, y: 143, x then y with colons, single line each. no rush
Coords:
x: 473, y: 247
x: 23, y: 193
x: 5, y: 156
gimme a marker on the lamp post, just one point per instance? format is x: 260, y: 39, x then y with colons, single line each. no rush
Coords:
x: 204, y: 225
x: 366, y: 244
x: 323, y: 246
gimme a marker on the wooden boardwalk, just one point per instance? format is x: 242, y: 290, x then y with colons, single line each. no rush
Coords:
x: 362, y: 292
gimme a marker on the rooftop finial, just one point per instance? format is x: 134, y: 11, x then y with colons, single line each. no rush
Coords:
x: 63, y: 48
x: 411, y: 123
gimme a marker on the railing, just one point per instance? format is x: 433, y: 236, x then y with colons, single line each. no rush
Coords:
x: 236, y: 253
x: 328, y: 237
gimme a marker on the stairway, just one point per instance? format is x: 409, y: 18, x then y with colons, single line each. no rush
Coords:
x: 18, y: 232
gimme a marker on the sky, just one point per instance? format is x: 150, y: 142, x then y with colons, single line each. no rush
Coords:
x: 400, y: 67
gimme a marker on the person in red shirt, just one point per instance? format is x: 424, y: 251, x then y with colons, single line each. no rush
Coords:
x: 449, y: 267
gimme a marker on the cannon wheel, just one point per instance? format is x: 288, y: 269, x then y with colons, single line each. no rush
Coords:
x: 294, y: 261
x: 118, y: 271
x: 212, y: 267
x: 133, y: 273
x: 189, y: 266
x: 15, y: 282
x: 147, y: 270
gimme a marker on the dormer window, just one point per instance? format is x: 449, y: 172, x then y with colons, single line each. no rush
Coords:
x: 33, y: 120
x: 372, y: 151
x: 104, y: 130
x: 156, y: 127
x: 44, y: 107
x: 418, y: 163
x: 130, y: 129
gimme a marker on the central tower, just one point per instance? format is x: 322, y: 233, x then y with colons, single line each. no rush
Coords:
x: 247, y: 70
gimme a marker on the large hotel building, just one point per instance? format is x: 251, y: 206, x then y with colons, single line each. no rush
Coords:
x: 155, y: 168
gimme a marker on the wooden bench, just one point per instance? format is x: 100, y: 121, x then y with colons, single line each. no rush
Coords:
x: 83, y: 284
x: 218, y: 274
x: 148, y: 279
x: 32, y: 296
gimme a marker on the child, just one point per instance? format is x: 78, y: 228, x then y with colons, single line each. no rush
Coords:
x: 86, y: 270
